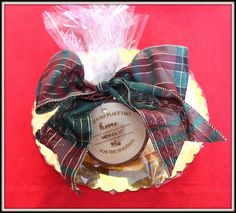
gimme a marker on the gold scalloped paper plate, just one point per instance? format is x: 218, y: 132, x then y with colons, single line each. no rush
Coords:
x: 144, y: 172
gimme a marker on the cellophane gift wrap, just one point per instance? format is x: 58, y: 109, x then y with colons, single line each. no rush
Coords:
x: 99, y: 57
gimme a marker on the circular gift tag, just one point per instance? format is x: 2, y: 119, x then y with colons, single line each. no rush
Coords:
x: 119, y: 134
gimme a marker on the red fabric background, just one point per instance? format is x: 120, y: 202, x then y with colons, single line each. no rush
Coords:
x: 206, y: 183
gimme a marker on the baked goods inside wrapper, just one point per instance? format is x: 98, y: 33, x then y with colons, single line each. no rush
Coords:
x: 105, y: 37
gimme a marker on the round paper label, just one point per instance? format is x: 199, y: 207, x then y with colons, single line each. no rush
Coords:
x: 119, y: 134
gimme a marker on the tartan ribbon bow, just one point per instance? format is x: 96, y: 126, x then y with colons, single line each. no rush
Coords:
x: 154, y: 85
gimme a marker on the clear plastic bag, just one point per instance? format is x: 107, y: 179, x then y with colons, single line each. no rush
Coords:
x: 98, y: 34
x: 105, y: 38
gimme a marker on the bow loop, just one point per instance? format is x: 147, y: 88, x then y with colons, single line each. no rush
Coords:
x: 63, y: 78
x: 165, y: 66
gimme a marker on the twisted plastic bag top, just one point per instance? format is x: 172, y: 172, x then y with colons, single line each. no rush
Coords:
x: 98, y: 34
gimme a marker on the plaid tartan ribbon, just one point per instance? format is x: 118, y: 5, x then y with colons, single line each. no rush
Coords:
x: 154, y: 85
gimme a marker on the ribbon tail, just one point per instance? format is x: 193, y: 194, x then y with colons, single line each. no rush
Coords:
x: 168, y: 132
x: 69, y: 148
x: 200, y: 129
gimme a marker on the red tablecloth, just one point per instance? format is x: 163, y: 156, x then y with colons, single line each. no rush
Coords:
x: 206, y: 182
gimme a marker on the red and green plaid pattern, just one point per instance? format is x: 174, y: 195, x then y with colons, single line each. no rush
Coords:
x: 154, y: 85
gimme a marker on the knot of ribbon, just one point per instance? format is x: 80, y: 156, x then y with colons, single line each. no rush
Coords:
x: 154, y: 85
x: 103, y: 87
